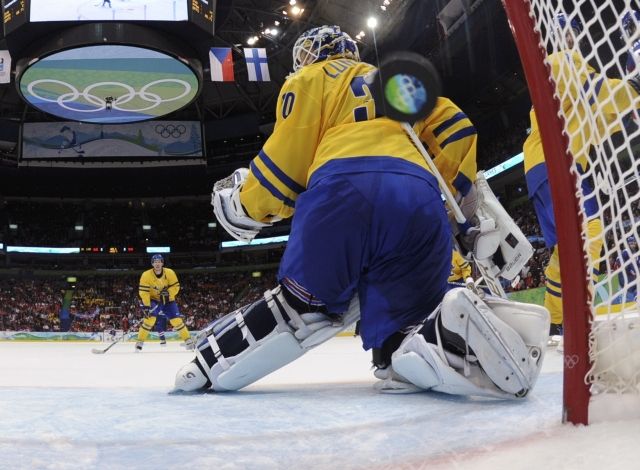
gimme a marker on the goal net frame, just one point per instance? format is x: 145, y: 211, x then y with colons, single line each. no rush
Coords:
x: 576, y: 293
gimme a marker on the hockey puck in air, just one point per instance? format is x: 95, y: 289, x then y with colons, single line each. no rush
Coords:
x: 405, y: 87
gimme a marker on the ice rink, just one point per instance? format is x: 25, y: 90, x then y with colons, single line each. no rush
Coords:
x: 62, y: 407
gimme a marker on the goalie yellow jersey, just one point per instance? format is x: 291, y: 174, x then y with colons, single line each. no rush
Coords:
x: 151, y: 284
x: 452, y: 141
x: 324, y: 114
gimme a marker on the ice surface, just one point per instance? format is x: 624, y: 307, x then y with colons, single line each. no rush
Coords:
x: 63, y: 407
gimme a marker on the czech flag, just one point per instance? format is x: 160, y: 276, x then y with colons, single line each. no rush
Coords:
x: 221, y: 64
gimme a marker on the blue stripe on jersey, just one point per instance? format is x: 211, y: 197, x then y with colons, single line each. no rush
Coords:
x: 448, y: 123
x: 281, y: 175
x: 270, y: 187
x: 461, y: 134
x: 555, y: 294
x: 554, y: 284
x: 586, y: 85
x: 599, y: 86
x: 462, y: 183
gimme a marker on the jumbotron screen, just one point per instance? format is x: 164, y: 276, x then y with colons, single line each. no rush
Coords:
x: 108, y: 10
x: 74, y: 140
x: 109, y: 84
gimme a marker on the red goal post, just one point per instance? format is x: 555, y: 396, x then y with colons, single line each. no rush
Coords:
x: 594, y: 361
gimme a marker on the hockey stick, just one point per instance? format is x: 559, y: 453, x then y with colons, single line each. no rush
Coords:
x: 486, y: 269
x: 102, y: 351
x: 406, y: 87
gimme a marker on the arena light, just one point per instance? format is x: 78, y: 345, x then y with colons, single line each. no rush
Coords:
x: 13, y: 226
x: 212, y: 225
x: 255, y: 241
x: 504, y: 166
x: 158, y: 249
x: 372, y: 22
x: 42, y: 250
x: 78, y: 228
x: 146, y: 227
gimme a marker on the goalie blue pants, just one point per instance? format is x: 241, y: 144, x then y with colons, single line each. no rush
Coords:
x: 383, y: 235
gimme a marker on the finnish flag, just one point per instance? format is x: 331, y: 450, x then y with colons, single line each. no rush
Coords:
x: 257, y: 66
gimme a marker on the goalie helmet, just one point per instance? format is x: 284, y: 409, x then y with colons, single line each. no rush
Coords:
x: 630, y: 22
x: 322, y: 43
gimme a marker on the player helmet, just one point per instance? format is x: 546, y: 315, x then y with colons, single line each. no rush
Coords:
x: 630, y: 22
x: 564, y: 21
x: 157, y: 257
x: 322, y: 43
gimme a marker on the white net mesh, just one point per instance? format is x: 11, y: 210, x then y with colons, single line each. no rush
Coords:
x: 595, y: 69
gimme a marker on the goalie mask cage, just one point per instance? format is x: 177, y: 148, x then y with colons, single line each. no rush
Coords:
x: 590, y: 136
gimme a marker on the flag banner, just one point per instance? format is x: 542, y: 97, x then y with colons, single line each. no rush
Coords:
x: 257, y: 64
x: 5, y: 67
x: 221, y: 64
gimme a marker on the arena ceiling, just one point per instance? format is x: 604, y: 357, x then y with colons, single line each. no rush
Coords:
x: 236, y: 21
x: 476, y: 64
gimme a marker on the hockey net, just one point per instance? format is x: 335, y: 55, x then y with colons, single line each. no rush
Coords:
x: 586, y: 107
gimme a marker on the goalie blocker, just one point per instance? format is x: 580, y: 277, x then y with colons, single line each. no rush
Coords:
x: 467, y: 346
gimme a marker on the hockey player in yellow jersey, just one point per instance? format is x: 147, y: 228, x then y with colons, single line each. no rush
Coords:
x: 370, y: 240
x: 158, y: 289
x: 595, y: 90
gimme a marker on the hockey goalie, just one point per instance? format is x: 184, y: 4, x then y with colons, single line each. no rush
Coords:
x: 370, y: 240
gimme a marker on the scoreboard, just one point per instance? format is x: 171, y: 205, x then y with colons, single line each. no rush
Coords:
x: 15, y: 13
x: 202, y: 14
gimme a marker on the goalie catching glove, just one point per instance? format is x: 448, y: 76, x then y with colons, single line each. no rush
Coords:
x: 228, y: 209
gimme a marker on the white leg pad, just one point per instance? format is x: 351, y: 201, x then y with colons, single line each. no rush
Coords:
x: 255, y: 355
x: 422, y: 364
x: 500, y: 349
x: 276, y: 351
x: 508, y: 339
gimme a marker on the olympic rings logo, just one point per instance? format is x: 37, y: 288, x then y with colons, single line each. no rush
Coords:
x: 571, y: 361
x: 170, y: 130
x: 101, y: 104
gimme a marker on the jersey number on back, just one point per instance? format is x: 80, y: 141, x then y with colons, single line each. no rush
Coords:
x: 360, y: 89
